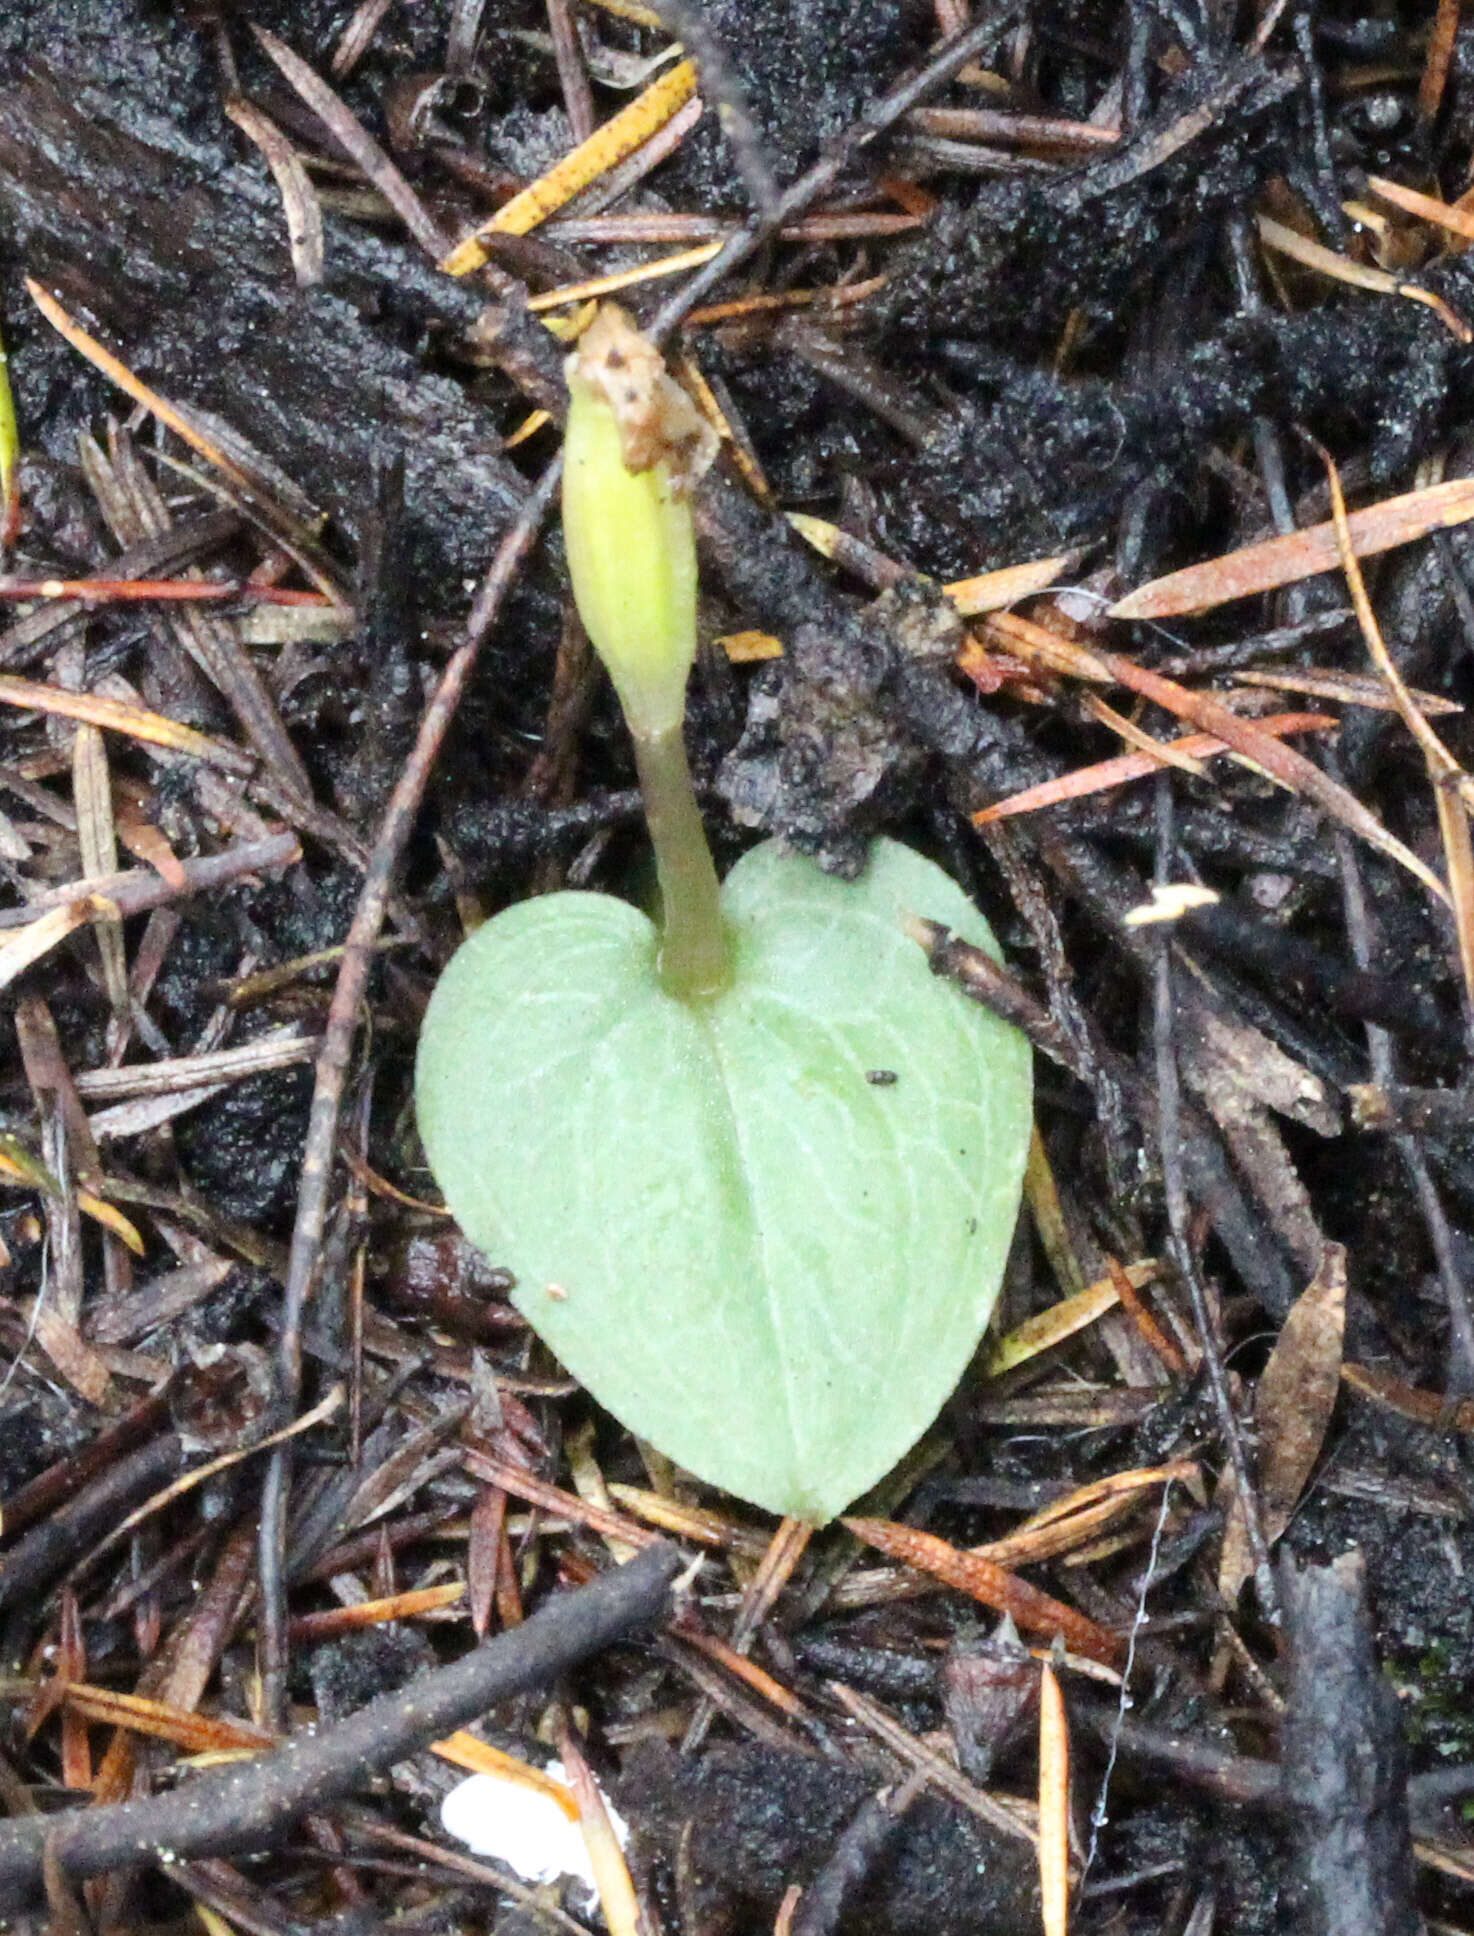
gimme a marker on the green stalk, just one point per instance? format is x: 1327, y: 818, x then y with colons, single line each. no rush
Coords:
x: 694, y: 953
x: 632, y: 558
x: 9, y: 458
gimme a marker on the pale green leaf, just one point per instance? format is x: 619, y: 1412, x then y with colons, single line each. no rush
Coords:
x: 771, y: 1265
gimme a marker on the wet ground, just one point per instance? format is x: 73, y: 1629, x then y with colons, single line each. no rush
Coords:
x: 1042, y: 316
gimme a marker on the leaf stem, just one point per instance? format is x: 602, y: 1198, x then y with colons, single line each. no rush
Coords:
x: 694, y: 955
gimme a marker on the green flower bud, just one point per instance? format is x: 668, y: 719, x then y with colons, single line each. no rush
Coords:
x: 627, y: 460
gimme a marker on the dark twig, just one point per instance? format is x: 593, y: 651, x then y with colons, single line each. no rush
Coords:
x: 1201, y: 1764
x: 720, y: 85
x: 337, y: 1047
x: 1022, y: 868
x: 155, y: 557
x: 1320, y: 176
x: 360, y: 144
x: 578, y: 97
x: 247, y: 1805
x: 1238, y: 939
x: 1460, y: 1378
x: 515, y: 830
x: 56, y: 1542
x: 854, y: 1855
x: 362, y: 1825
x: 137, y: 889
x: 94, y: 1462
x: 1170, y: 1128
x: 991, y: 984
x: 1438, y: 1787
x: 877, y: 120
x: 1344, y: 1767
x: 463, y: 33
x: 1110, y: 1075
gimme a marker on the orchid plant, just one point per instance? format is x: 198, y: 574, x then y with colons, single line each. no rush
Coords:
x: 754, y: 1167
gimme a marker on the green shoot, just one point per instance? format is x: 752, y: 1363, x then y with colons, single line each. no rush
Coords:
x: 756, y: 1173
x: 9, y: 457
x: 632, y: 557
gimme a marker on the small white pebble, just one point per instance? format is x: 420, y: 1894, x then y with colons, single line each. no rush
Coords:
x: 1169, y: 902
x: 506, y: 1822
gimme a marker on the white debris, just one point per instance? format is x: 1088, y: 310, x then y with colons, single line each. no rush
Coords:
x: 1169, y: 902
x: 506, y: 1822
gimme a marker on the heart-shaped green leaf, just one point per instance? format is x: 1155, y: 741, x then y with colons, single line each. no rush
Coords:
x: 765, y: 1230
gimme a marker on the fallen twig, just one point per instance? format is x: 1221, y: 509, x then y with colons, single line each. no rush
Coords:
x: 337, y: 1047
x: 245, y: 1806
x: 795, y: 200
x: 137, y: 889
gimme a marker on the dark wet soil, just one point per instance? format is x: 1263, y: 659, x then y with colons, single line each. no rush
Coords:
x: 1081, y: 348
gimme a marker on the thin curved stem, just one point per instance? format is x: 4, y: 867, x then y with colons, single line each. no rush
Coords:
x: 331, y: 1073
x: 694, y: 956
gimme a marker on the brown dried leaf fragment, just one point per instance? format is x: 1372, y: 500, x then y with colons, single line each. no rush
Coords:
x: 1124, y: 767
x: 484, y: 1464
x: 119, y: 716
x: 617, y: 1898
x: 1341, y: 268
x: 609, y: 144
x: 1050, y: 652
x: 329, y: 1622
x: 989, y: 1583
x: 98, y: 842
x: 1347, y: 688
x: 1433, y: 1409
x: 350, y: 134
x: 466, y: 1750
x: 682, y: 1520
x: 240, y: 468
x: 1246, y: 1080
x: 1054, y: 1807
x: 300, y: 205
x: 194, y: 1733
x: 1458, y: 221
x: 1297, y: 1394
x: 483, y: 1550
x: 1275, y: 562
x: 1059, y: 1321
x: 77, y: 1362
x: 658, y: 423
x: 1448, y: 779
